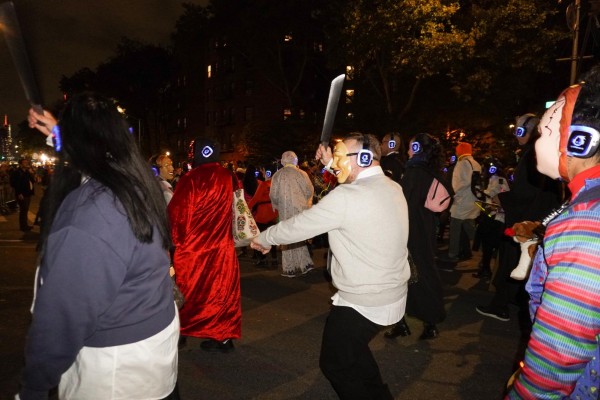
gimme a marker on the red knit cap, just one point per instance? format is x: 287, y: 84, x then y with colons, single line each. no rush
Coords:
x: 463, y: 149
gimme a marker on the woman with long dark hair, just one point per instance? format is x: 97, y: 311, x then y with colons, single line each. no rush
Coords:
x: 425, y: 297
x: 104, y: 320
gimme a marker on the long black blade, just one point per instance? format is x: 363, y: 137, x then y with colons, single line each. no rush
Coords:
x: 9, y: 24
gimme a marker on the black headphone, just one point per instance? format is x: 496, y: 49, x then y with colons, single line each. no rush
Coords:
x: 392, y: 142
x: 521, y: 130
x: 583, y: 141
x: 153, y: 164
x: 416, y: 147
x: 364, y: 158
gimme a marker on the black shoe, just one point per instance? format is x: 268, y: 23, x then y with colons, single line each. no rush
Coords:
x: 484, y: 275
x: 492, y: 313
x: 429, y: 332
x: 261, y: 263
x: 212, y: 345
x: 400, y: 329
x: 445, y: 258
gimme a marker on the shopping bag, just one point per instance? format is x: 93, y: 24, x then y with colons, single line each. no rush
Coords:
x: 244, y: 227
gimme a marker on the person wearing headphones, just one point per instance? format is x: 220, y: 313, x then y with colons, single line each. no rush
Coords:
x: 366, y: 218
x: 425, y: 296
x: 463, y: 210
x: 393, y: 156
x: 207, y: 270
x: 563, y: 353
x: 531, y: 197
x: 162, y: 166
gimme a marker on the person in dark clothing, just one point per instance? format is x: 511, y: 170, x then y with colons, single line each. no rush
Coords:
x: 532, y: 196
x: 22, y: 181
x: 425, y: 297
x: 491, y: 221
x: 393, y: 156
x: 104, y: 317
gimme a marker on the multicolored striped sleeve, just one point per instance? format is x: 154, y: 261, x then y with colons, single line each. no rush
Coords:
x: 567, y: 322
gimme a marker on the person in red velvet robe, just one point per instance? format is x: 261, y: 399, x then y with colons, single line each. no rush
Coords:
x: 206, y: 266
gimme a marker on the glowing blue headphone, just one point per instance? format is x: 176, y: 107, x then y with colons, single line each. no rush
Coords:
x: 392, y: 142
x: 416, y: 147
x: 521, y: 130
x: 57, y: 138
x: 583, y: 141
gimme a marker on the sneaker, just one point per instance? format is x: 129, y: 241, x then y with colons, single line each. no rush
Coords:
x: 447, y: 267
x: 289, y: 275
x: 490, y: 312
x: 308, y: 269
x: 212, y: 345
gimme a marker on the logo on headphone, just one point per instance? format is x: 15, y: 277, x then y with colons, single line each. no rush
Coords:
x: 207, y: 151
x: 391, y: 144
x: 365, y: 158
x: 520, y: 131
x: 268, y: 173
x: 415, y: 147
x: 583, y: 141
x: 492, y: 169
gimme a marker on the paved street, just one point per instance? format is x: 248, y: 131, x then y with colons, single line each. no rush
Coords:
x: 277, y: 357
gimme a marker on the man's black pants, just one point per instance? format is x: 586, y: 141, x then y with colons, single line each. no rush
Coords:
x: 23, y: 211
x: 346, y: 359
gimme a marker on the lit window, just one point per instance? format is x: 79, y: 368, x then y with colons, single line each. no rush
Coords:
x: 318, y: 47
x: 350, y: 116
x: 287, y: 113
x: 349, y: 96
x: 209, y: 71
x: 287, y: 38
x: 349, y: 72
x: 301, y: 114
x: 184, y: 122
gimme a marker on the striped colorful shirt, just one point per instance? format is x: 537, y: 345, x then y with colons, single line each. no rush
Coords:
x: 564, y: 338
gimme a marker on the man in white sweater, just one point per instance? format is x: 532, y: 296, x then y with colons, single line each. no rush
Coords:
x: 367, y: 223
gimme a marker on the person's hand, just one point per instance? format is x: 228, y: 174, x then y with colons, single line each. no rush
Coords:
x: 43, y: 123
x: 323, y: 154
x: 258, y: 247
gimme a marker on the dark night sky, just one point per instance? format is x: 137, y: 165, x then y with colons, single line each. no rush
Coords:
x: 64, y: 36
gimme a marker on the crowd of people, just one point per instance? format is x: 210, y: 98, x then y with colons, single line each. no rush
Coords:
x: 126, y: 230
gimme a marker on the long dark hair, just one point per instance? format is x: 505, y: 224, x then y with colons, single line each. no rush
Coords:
x: 96, y: 143
x: 432, y: 152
